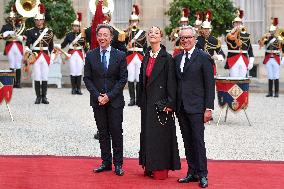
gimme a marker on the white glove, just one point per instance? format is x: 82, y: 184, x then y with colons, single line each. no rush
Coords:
x: 57, y: 46
x: 8, y: 33
x: 20, y: 38
x: 250, y: 65
x: 220, y: 57
x: 27, y: 49
x: 215, y: 57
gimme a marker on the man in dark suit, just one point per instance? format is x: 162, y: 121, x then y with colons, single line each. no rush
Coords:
x: 195, y: 103
x: 105, y: 77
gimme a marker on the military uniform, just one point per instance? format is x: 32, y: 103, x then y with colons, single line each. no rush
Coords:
x: 76, y: 44
x: 209, y: 43
x: 175, y: 33
x: 136, y: 46
x: 272, y: 60
x: 13, y: 47
x: 40, y: 42
x: 240, y: 56
x: 135, y: 53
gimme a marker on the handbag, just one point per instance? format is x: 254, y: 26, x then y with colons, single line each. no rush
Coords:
x: 160, y: 106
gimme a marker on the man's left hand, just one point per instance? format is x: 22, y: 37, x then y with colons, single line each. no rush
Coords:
x: 207, y: 115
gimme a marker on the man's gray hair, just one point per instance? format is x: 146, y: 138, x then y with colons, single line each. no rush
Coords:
x: 193, y: 30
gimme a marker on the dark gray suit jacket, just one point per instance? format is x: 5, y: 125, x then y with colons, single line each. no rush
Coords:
x: 110, y: 82
x: 196, y: 85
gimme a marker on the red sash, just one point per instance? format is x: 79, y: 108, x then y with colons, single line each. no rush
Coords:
x: 130, y: 57
x: 233, y: 59
x: 46, y: 57
x: 268, y: 56
x: 9, y: 46
x: 79, y: 52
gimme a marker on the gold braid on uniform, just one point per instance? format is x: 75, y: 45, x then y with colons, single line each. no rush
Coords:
x: 46, y: 38
x: 208, y: 46
x: 245, y: 40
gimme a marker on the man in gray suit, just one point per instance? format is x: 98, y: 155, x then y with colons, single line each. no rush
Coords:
x: 195, y: 103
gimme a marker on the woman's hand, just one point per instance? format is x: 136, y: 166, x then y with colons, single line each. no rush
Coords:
x: 166, y: 109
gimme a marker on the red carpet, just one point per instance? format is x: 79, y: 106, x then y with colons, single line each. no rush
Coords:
x: 49, y: 172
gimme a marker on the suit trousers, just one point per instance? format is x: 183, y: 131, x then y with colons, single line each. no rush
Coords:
x: 109, y: 124
x: 192, y: 129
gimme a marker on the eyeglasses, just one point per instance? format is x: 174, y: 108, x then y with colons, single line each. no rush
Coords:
x: 182, y: 38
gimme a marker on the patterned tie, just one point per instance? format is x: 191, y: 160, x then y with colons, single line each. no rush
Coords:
x: 104, y: 61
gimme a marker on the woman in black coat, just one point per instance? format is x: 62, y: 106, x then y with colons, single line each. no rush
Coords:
x: 158, y: 142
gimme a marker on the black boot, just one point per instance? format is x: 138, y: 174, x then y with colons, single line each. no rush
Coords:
x: 18, y: 78
x: 270, y: 86
x: 131, y: 93
x: 37, y: 90
x: 78, y: 85
x: 44, y: 92
x: 276, y: 85
x: 14, y: 80
x: 137, y: 94
x: 73, y: 84
x: 96, y: 136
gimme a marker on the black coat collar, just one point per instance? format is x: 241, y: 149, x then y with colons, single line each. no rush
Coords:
x: 158, y: 66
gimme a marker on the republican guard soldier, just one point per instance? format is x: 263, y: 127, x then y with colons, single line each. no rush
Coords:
x: 11, y: 33
x: 208, y: 43
x: 273, y: 42
x: 174, y: 35
x: 198, y: 22
x: 75, y: 42
x: 240, y: 56
x: 40, y: 43
x: 136, y: 46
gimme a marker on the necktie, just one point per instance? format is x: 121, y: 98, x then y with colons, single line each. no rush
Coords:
x: 104, y: 61
x: 186, y: 61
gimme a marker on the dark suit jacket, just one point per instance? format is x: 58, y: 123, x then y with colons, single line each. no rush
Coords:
x: 196, y: 86
x: 111, y: 82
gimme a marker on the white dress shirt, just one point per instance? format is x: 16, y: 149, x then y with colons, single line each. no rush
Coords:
x: 183, y: 58
x: 107, y: 54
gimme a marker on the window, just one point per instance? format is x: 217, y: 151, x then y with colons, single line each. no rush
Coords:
x: 121, y: 14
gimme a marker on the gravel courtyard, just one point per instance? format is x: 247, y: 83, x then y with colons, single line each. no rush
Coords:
x: 66, y: 127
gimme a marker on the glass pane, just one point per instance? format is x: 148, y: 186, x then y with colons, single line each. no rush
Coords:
x: 121, y: 13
